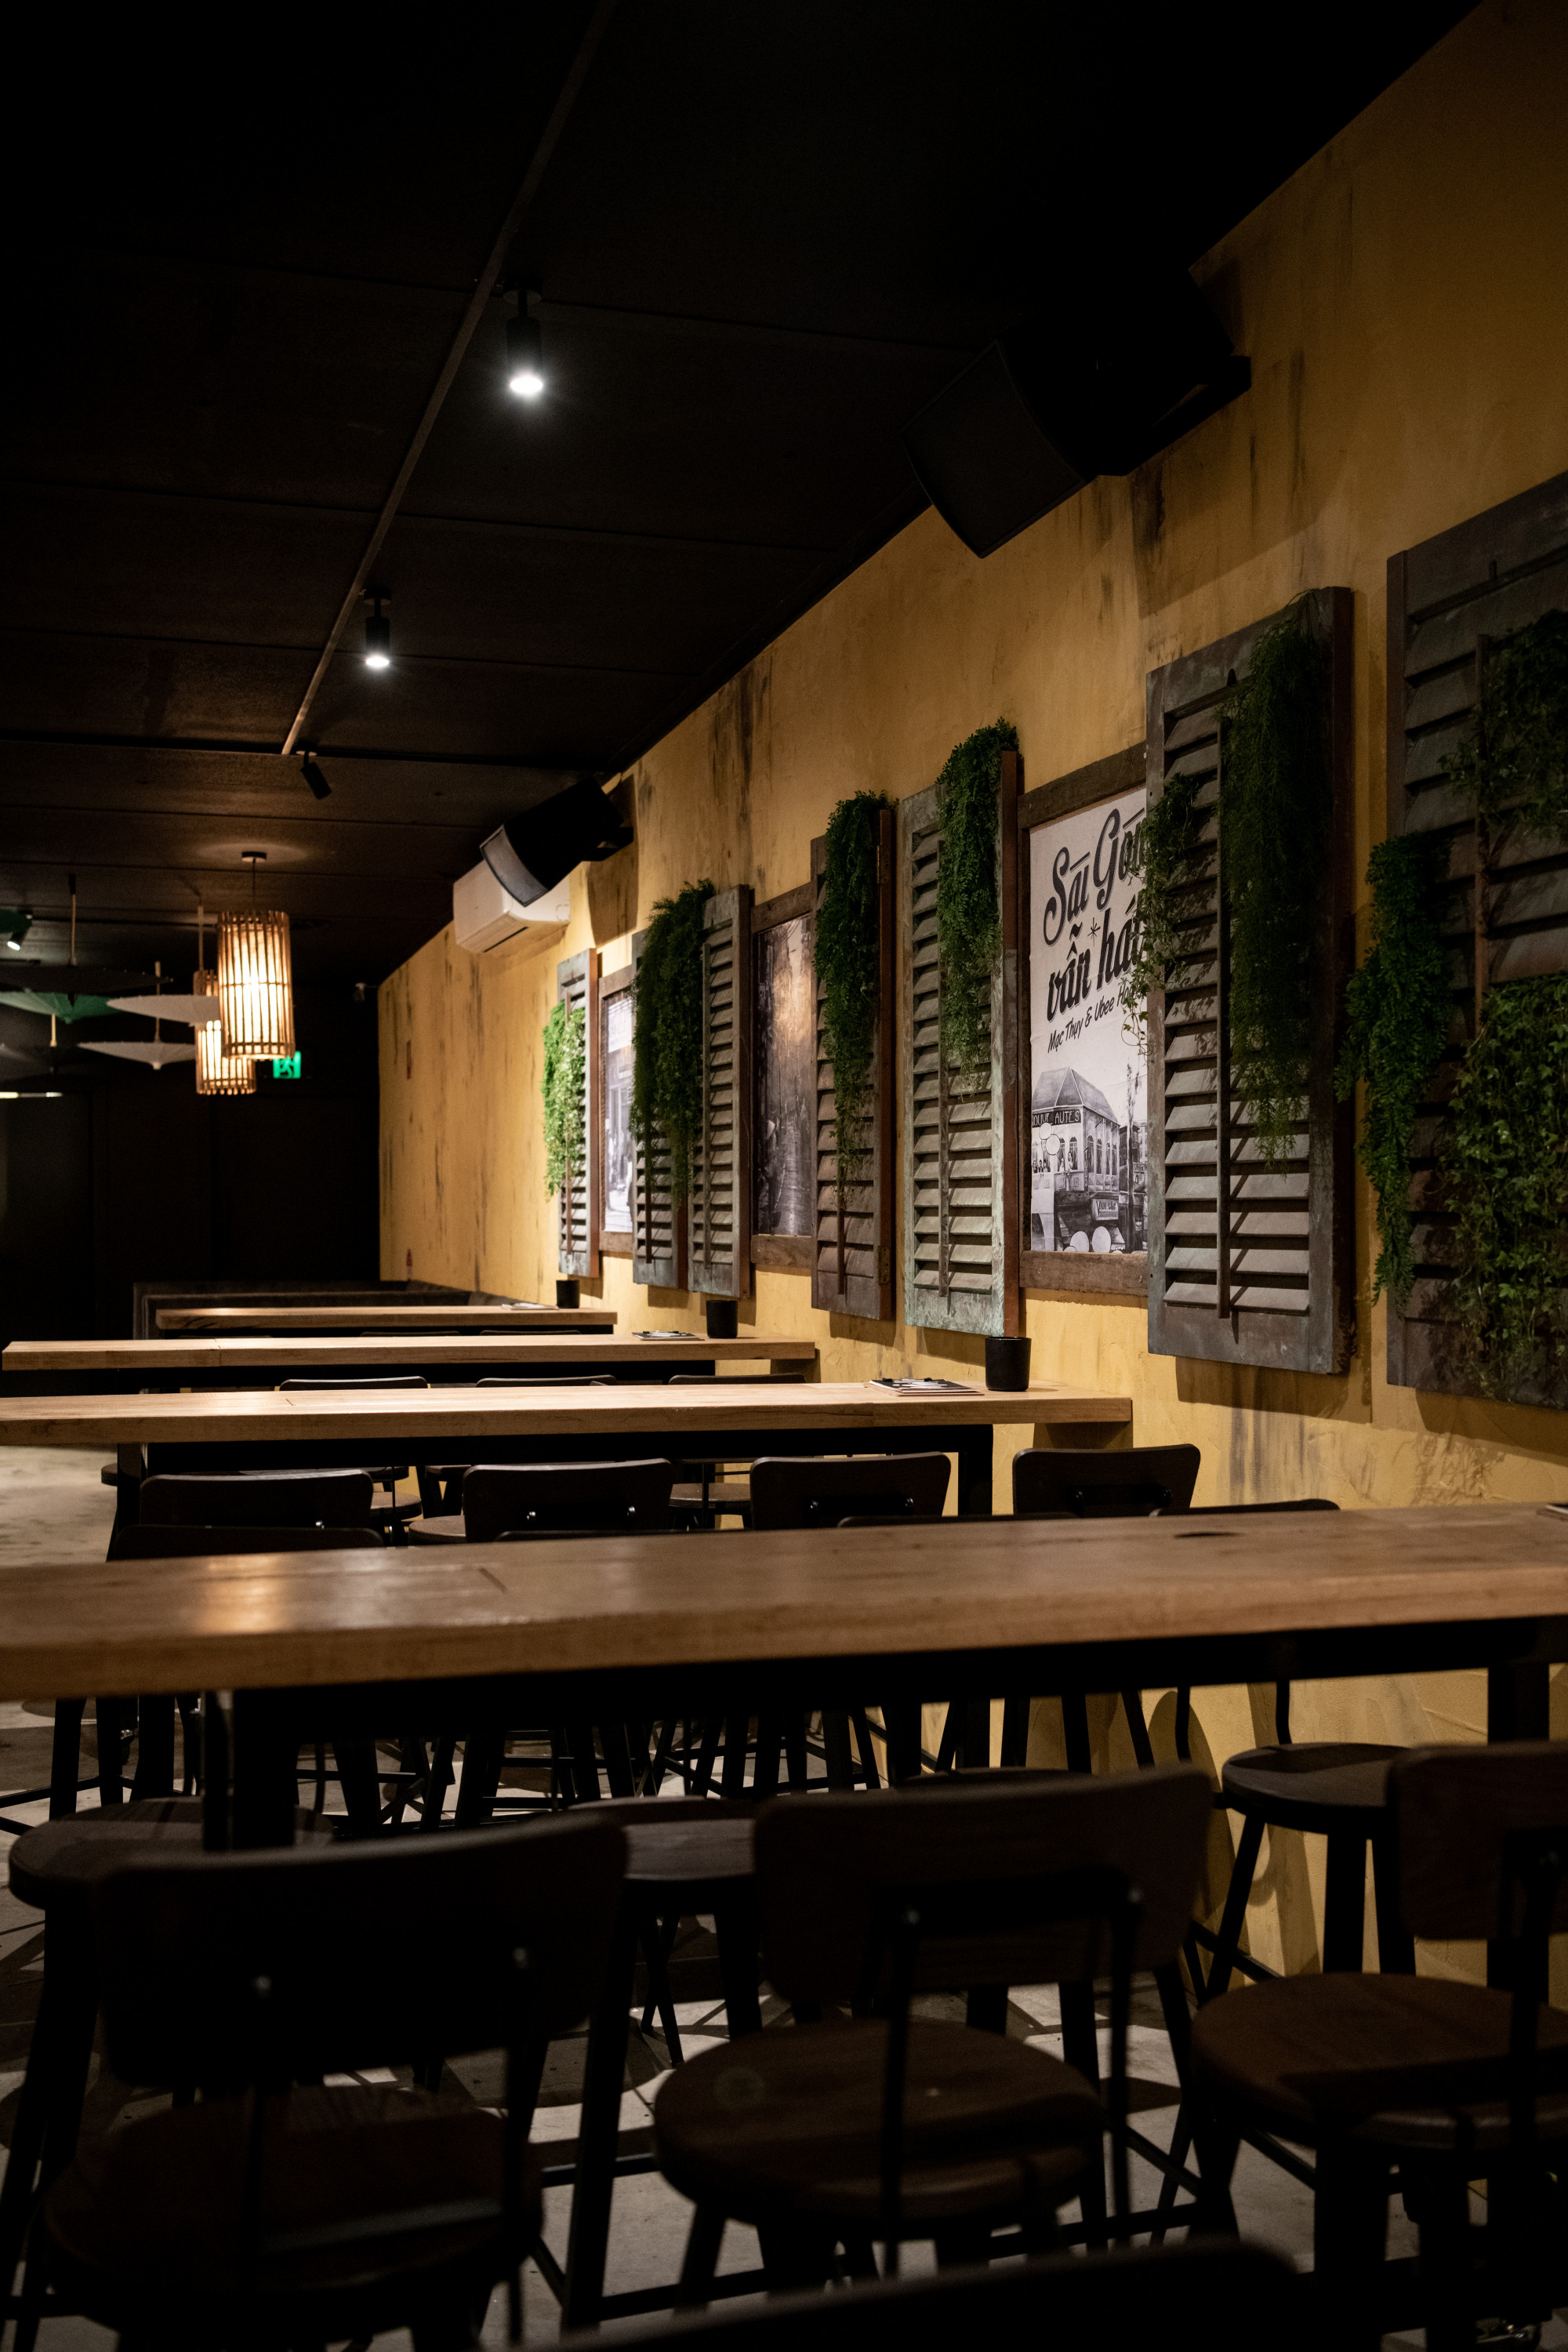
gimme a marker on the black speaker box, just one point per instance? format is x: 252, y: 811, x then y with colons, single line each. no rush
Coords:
x: 1086, y: 386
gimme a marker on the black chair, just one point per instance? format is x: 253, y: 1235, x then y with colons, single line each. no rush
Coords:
x: 840, y: 2131
x: 1229, y: 2298
x: 258, y: 1498
x: 278, y: 2212
x: 387, y: 1473
x: 703, y: 1493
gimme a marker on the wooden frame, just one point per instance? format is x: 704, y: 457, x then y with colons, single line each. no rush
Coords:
x: 1103, y: 780
x: 853, y: 1258
x: 658, y: 1228
x: 577, y: 985
x: 611, y: 985
x: 719, y: 1210
x: 1232, y: 1251
x: 960, y: 1143
x: 781, y: 1253
x: 1505, y: 910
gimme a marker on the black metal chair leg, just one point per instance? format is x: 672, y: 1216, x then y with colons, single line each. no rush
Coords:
x: 65, y: 1761
x: 1138, y: 1726
x: 701, y: 2259
x: 1344, y: 1905
x: 657, y: 1941
x: 1080, y: 2048
x: 482, y: 1754
x: 598, y: 2132
x: 1228, y: 1941
x: 154, y: 1747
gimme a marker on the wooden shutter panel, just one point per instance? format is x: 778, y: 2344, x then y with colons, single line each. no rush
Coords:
x: 853, y: 1273
x: 719, y: 1212
x: 1449, y: 600
x: 658, y: 1235
x: 959, y: 1135
x: 1248, y: 1264
x: 577, y: 985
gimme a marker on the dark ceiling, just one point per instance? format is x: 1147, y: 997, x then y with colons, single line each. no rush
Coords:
x: 762, y: 236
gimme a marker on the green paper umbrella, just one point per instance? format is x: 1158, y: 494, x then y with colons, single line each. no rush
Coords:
x: 48, y: 1000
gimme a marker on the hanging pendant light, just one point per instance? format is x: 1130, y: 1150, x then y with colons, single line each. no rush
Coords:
x: 217, y: 1073
x: 256, y: 980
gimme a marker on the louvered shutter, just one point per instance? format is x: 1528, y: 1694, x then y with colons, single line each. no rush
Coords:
x: 719, y: 1212
x: 959, y: 1134
x: 1449, y: 600
x: 1248, y: 1264
x: 854, y: 1269
x: 658, y: 1234
x: 577, y: 986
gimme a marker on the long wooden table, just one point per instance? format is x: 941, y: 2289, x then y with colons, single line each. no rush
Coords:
x: 547, y: 1425
x: 69, y: 1367
x: 386, y: 1319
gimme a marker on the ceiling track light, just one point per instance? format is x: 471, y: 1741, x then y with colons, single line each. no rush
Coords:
x: 20, y: 920
x: 314, y: 778
x: 377, y: 642
x: 524, y: 350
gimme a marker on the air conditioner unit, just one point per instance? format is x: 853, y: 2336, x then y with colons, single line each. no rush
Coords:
x: 485, y: 916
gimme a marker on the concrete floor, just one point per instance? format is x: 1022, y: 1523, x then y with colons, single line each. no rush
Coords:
x: 54, y: 1507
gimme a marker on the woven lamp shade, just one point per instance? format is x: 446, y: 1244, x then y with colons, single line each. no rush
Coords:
x: 217, y: 1073
x: 256, y: 986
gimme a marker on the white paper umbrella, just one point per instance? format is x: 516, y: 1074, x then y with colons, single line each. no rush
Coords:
x: 190, y: 1011
x: 155, y: 1051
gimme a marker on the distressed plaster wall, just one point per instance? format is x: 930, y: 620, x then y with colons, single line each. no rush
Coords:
x: 1401, y: 301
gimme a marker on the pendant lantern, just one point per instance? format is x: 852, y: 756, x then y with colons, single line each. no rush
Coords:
x: 256, y: 986
x: 218, y: 1072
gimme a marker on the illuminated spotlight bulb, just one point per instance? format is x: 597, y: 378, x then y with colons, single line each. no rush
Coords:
x: 524, y: 357
x: 377, y: 638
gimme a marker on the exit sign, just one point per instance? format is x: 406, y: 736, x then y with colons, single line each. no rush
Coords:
x: 287, y: 1066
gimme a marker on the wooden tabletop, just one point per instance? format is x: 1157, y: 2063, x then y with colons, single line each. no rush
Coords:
x: 269, y: 1416
x: 646, y: 1602
x: 386, y: 1319
x: 313, y: 1351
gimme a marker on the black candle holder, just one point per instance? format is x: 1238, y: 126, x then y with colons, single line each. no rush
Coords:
x: 1006, y: 1363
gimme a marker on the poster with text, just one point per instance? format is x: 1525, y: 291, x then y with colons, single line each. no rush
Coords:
x: 1088, y: 1104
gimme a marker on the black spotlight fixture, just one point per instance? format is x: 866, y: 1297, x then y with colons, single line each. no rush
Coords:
x: 530, y: 854
x: 314, y: 777
x: 378, y: 635
x: 524, y: 352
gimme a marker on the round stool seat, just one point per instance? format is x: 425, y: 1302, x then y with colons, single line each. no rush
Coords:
x: 1326, y: 1785
x: 789, y: 2122
x: 60, y: 1862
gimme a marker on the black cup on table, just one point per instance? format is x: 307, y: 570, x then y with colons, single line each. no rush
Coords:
x: 1006, y: 1363
x: 720, y: 1313
x: 566, y: 1293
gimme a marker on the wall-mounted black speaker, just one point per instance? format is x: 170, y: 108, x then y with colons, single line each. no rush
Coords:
x: 530, y: 854
x: 1093, y: 383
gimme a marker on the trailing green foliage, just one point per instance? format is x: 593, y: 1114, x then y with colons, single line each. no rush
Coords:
x: 1164, y: 844
x: 1400, y: 1006
x: 968, y: 916
x: 1504, y: 1161
x: 666, y: 1035
x: 847, y: 959
x: 1275, y: 803
x: 562, y: 1088
x: 1515, y: 749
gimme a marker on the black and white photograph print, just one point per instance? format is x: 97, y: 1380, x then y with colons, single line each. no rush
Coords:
x: 617, y: 1015
x: 786, y: 1052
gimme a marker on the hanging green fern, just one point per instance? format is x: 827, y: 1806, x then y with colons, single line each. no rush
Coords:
x: 1400, y: 1006
x: 1504, y: 1162
x: 1275, y: 803
x: 848, y: 965
x: 1166, y: 845
x: 968, y: 915
x: 1515, y: 749
x: 666, y: 1035
x: 562, y: 1086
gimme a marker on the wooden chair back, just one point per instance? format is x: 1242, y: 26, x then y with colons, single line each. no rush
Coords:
x: 1242, y: 1510
x: 807, y: 1491
x: 364, y: 1381
x: 1470, y: 1824
x: 558, y: 1497
x: 775, y: 1375
x: 826, y: 1870
x: 192, y: 1543
x: 542, y: 1381
x: 208, y: 1962
x: 273, y: 1498
x: 1126, y: 1483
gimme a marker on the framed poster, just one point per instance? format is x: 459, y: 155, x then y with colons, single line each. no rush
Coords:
x: 1083, y: 1102
x: 616, y: 1157
x: 784, y: 1046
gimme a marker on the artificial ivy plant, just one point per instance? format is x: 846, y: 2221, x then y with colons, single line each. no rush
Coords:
x: 666, y: 1035
x: 1515, y: 753
x: 1504, y: 1162
x: 1400, y: 1006
x: 968, y: 914
x: 1275, y: 799
x: 847, y: 959
x: 562, y: 1086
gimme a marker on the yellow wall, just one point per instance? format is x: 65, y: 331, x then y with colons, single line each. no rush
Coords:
x: 1401, y: 299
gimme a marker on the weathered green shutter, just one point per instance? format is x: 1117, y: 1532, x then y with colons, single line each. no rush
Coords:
x: 577, y: 986
x: 719, y: 1212
x: 853, y: 1273
x: 658, y: 1234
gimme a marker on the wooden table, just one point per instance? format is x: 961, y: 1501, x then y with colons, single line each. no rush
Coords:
x: 69, y: 1367
x: 545, y: 1424
x: 386, y: 1319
